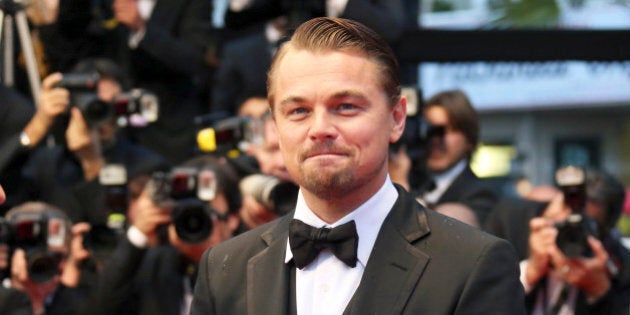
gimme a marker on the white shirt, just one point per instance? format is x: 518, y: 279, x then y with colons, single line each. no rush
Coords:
x: 444, y: 180
x: 145, y: 9
x: 327, y: 284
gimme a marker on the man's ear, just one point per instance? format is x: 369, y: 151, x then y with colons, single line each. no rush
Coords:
x: 399, y: 115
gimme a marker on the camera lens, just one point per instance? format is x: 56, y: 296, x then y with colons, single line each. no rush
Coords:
x: 42, y: 266
x: 192, y: 220
x: 94, y: 110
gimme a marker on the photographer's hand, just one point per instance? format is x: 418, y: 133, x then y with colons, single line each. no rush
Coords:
x: 84, y: 142
x: 542, y: 238
x: 127, y: 13
x: 72, y: 267
x: 148, y: 216
x: 557, y: 210
x: 52, y: 103
x: 590, y: 274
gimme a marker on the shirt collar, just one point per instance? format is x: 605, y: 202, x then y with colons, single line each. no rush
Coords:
x: 368, y: 218
x: 444, y: 180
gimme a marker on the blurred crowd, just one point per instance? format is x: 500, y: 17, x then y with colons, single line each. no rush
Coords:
x: 151, y: 140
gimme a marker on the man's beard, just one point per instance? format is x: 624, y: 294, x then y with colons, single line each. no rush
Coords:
x: 337, y: 183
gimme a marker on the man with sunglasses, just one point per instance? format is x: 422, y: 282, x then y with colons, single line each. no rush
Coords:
x: 450, y: 155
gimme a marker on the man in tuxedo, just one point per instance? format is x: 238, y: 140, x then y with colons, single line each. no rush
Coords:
x: 335, y: 97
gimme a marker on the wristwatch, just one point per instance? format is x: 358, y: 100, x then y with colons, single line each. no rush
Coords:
x: 25, y: 141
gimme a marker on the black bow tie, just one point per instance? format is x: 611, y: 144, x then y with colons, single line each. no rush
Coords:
x: 306, y: 242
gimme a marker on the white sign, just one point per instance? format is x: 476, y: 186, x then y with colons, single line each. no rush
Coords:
x: 520, y: 85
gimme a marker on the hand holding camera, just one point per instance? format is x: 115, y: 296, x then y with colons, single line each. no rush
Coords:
x: 148, y: 217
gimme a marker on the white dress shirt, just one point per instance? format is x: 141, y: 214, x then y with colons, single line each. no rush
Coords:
x: 327, y: 284
x: 145, y: 9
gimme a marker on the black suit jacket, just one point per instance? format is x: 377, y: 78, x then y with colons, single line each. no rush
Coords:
x: 468, y: 189
x: 422, y: 263
x: 169, y: 61
x: 14, y: 302
x: 140, y: 281
x: 386, y: 17
x: 242, y: 73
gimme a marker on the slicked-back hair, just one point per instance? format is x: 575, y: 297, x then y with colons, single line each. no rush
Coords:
x: 323, y: 34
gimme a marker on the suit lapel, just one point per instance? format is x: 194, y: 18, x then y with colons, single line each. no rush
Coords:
x: 395, y: 265
x: 267, y: 274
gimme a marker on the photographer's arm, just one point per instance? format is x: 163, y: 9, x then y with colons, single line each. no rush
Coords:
x: 84, y: 142
x: 52, y: 103
x: 542, y: 237
x: 114, y: 291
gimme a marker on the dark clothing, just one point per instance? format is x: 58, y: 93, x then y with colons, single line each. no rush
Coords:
x: 242, y: 73
x: 510, y: 220
x: 54, y: 175
x: 422, y: 263
x: 142, y: 281
x: 79, y: 32
x: 15, y: 113
x: 14, y: 302
x: 169, y: 61
x: 385, y: 17
x: 468, y: 189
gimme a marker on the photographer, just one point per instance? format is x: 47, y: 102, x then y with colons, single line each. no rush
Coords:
x: 45, y: 258
x: 152, y: 268
x: 69, y: 174
x: 271, y: 192
x: 12, y: 301
x: 22, y: 129
x: 449, y: 156
x: 595, y: 281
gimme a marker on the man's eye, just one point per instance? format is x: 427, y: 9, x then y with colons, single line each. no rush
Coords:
x: 347, y: 108
x: 297, y: 111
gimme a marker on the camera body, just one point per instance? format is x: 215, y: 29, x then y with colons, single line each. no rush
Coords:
x: 186, y: 191
x: 136, y: 107
x: 574, y: 231
x: 82, y: 87
x: 417, y: 138
x: 229, y: 134
x: 36, y: 234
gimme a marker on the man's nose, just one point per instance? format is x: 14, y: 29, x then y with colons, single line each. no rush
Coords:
x: 322, y: 125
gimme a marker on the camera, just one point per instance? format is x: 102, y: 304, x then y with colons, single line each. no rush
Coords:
x: 102, y: 239
x: 276, y: 195
x: 136, y: 107
x: 229, y: 135
x: 38, y: 235
x: 417, y: 137
x: 186, y: 191
x: 82, y: 87
x: 574, y: 231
